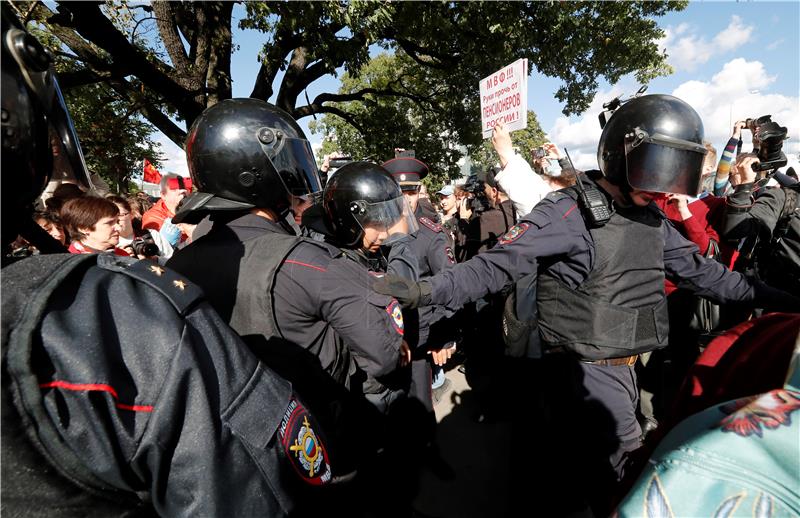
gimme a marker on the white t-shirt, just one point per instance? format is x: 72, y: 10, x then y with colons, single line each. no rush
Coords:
x: 524, y: 187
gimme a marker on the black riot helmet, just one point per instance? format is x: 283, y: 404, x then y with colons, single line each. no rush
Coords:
x: 37, y: 131
x: 358, y: 195
x: 653, y: 143
x: 246, y: 153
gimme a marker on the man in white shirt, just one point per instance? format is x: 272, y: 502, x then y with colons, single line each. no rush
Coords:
x: 524, y: 187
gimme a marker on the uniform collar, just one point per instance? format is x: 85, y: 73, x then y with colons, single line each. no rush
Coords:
x: 250, y: 223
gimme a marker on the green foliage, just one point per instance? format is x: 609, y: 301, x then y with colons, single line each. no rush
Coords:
x: 441, y: 50
x: 421, y: 94
x: 114, y: 138
x: 391, y: 122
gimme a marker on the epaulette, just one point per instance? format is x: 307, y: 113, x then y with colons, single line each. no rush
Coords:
x: 436, y: 227
x: 176, y: 288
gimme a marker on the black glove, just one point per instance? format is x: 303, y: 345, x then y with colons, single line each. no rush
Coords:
x: 409, y: 294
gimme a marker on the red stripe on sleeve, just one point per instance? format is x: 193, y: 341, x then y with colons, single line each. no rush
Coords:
x: 570, y: 210
x: 290, y: 261
x: 99, y: 387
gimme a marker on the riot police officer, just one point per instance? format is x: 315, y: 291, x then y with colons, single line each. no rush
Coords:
x: 601, y: 253
x: 362, y: 212
x: 123, y: 393
x: 250, y: 162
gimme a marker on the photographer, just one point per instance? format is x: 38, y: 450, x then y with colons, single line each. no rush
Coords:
x: 770, y: 216
x: 472, y: 205
x: 494, y: 221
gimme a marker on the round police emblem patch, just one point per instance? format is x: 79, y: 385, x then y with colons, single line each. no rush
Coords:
x: 396, y: 315
x: 513, y: 233
x: 303, y: 446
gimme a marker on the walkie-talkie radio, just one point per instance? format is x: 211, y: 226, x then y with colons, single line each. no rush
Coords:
x: 596, y: 207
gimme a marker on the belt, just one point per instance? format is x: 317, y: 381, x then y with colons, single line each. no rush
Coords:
x: 630, y: 361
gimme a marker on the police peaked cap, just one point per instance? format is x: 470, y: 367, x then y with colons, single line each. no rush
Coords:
x: 407, y: 171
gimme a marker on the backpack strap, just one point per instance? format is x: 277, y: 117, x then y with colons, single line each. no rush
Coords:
x: 790, y: 206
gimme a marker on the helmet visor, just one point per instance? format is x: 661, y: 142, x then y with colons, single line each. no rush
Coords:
x: 68, y: 160
x: 296, y: 167
x: 659, y: 163
x: 68, y: 156
x: 391, y: 216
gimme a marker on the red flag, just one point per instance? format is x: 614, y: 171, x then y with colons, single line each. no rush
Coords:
x: 151, y: 174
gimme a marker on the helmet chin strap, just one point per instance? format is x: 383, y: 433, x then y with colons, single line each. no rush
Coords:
x: 283, y: 221
x: 626, y: 190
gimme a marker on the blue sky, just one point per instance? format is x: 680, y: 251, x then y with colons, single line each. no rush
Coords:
x: 732, y: 60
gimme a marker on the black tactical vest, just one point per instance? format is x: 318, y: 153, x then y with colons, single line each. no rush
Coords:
x: 620, y: 309
x: 251, y: 266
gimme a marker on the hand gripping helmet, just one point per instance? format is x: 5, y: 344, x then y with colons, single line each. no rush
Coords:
x: 358, y: 195
x: 37, y: 130
x: 653, y: 143
x: 246, y: 153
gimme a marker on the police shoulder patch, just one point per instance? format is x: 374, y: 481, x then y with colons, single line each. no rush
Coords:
x: 299, y: 434
x: 450, y: 255
x: 396, y: 316
x: 513, y: 233
x: 436, y: 227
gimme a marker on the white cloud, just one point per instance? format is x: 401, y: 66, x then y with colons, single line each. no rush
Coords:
x: 686, y: 49
x: 580, y: 135
x: 775, y: 44
x: 174, y: 157
x: 738, y: 91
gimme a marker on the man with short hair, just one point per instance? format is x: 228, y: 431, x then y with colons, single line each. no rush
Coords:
x: 173, y: 190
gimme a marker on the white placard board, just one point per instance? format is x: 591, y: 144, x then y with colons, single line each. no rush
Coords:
x: 504, y: 98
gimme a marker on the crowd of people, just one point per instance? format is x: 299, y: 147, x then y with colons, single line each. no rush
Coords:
x: 275, y: 344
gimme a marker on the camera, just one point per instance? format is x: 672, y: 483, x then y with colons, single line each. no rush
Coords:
x: 769, y: 136
x: 477, y: 199
x: 336, y: 163
x: 145, y: 246
x: 539, y: 153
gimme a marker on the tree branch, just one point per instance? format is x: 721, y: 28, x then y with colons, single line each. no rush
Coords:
x: 84, y: 76
x: 170, y: 37
x: 360, y: 95
x: 287, y: 95
x: 149, y: 111
x: 89, y: 22
x: 311, y: 109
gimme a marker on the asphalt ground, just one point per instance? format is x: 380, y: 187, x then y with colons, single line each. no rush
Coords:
x: 473, y: 479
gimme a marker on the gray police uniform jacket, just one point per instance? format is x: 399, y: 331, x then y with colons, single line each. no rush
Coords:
x: 433, y: 252
x: 125, y: 394
x: 553, y: 240
x: 269, y: 284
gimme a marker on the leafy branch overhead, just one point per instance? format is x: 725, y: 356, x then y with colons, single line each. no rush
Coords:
x: 173, y: 59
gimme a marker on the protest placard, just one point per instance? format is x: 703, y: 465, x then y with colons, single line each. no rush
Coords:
x: 504, y: 98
